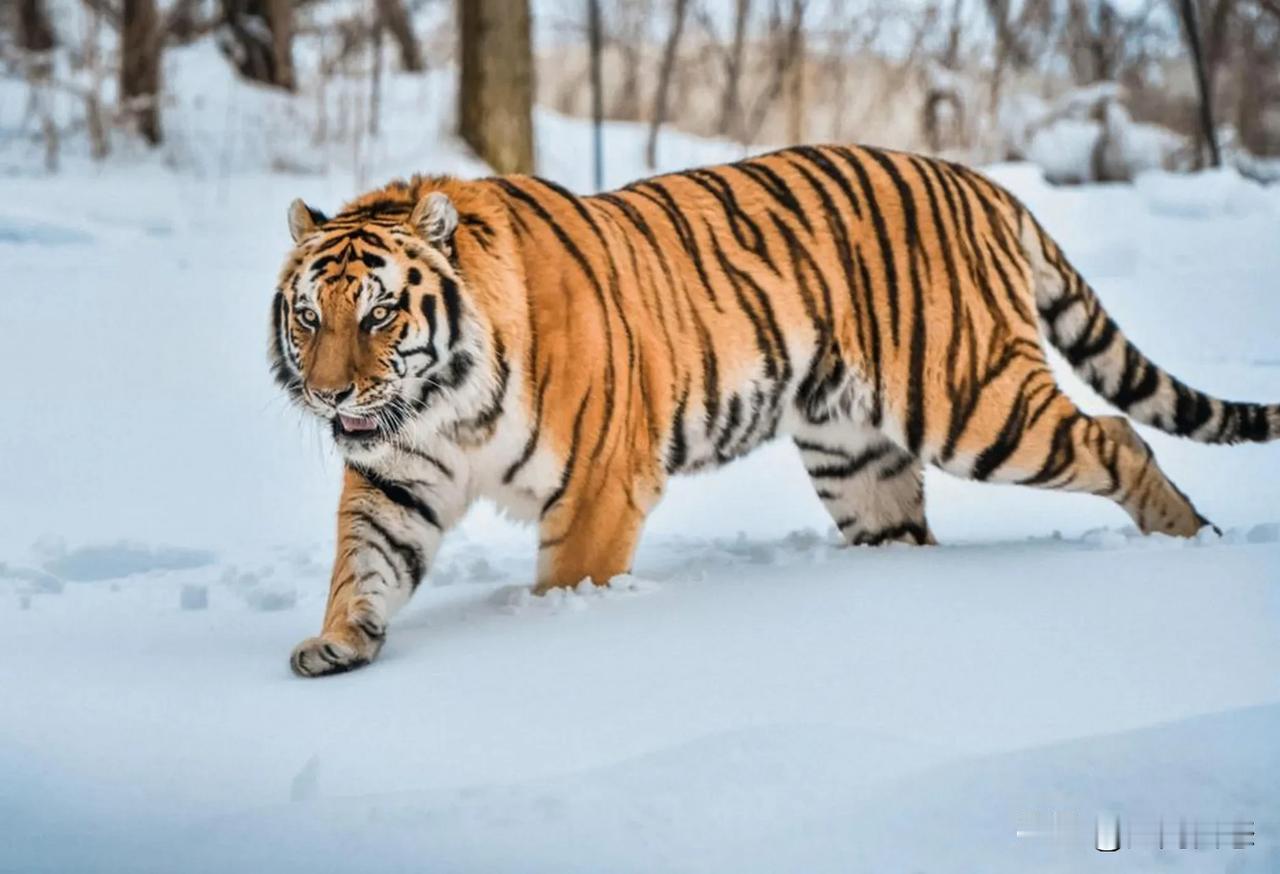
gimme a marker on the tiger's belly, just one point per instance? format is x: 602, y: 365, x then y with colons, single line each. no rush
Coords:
x: 755, y: 404
x: 519, y: 470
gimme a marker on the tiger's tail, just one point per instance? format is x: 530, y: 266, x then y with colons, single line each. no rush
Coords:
x: 1075, y: 322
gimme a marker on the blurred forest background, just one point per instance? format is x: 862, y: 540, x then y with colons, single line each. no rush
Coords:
x: 1090, y: 90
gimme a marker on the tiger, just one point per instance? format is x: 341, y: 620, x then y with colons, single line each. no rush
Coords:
x: 563, y: 356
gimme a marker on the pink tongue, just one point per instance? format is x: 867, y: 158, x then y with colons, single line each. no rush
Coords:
x: 357, y: 423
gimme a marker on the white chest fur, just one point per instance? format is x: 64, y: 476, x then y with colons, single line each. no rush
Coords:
x: 515, y: 468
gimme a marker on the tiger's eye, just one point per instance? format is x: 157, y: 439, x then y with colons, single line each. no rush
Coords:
x: 380, y: 313
x: 308, y: 317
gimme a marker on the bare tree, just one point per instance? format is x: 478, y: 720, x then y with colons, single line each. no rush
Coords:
x: 597, y: 94
x: 1020, y: 37
x: 796, y: 103
x: 669, y: 51
x: 258, y: 38
x: 495, y: 110
x: 375, y: 80
x: 788, y: 52
x: 186, y: 20
x: 35, y: 32
x: 93, y: 62
x: 943, y: 116
x: 730, y: 121
x: 1258, y: 76
x: 393, y: 16
x: 847, y: 36
x: 141, y: 40
x: 36, y: 41
x: 1218, y: 16
x: 628, y: 36
x: 1191, y: 30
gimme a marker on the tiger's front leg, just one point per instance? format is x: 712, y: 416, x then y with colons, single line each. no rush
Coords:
x: 388, y: 534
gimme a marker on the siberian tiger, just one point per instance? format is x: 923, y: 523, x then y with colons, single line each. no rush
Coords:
x: 564, y: 355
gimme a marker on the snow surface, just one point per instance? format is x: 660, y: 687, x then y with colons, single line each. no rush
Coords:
x: 755, y: 698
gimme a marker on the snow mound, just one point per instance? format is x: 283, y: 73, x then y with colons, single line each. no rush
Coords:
x: 40, y: 233
x: 112, y: 561
x: 1268, y: 532
x: 1205, y: 195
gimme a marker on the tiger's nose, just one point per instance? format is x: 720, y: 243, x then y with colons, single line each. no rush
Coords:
x: 334, y: 396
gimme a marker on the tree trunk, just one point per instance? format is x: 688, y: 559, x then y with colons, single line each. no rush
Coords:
x: 395, y: 19
x: 1259, y: 86
x: 189, y: 20
x: 35, y: 33
x: 597, y: 94
x: 788, y: 48
x: 1218, y: 26
x: 627, y: 103
x: 796, y: 108
x: 375, y: 81
x: 1106, y: 44
x: 664, y: 81
x: 1191, y: 29
x: 495, y: 96
x: 1216, y: 33
x: 258, y: 38
x: 629, y: 37
x: 140, y: 44
x: 730, y: 121
x: 280, y: 20
x: 951, y: 56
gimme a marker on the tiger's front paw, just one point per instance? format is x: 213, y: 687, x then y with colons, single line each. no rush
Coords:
x: 333, y: 654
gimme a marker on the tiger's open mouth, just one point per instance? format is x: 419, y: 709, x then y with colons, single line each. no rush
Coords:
x: 356, y: 427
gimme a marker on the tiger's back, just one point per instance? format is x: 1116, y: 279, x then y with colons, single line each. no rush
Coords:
x: 783, y: 292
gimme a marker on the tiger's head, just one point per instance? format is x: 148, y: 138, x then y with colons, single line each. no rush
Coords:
x: 372, y: 325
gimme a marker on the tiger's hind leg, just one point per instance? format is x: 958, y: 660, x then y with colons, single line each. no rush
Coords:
x: 1029, y: 433
x: 873, y: 490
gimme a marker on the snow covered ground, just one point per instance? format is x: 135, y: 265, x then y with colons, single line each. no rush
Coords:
x: 755, y: 699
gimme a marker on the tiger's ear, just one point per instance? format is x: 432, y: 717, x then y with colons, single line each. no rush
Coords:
x: 435, y: 218
x: 303, y: 219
